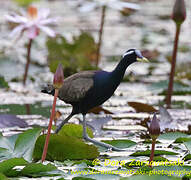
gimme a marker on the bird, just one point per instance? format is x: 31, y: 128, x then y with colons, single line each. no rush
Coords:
x: 87, y: 89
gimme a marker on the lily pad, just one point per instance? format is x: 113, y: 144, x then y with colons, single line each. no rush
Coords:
x: 173, y: 136
x: 75, y: 56
x: 82, y: 178
x: 9, y: 120
x: 187, y: 157
x: 62, y: 147
x: 7, y: 165
x: 188, y: 145
x: 74, y: 130
x: 20, y: 145
x: 182, y: 139
x: 38, y: 170
x: 121, y: 143
x: 3, y: 83
x: 157, y: 153
x: 3, y: 177
x: 178, y: 88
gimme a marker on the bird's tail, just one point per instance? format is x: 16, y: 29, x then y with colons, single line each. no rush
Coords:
x: 49, y: 89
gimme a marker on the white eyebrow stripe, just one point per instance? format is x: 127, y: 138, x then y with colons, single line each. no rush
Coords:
x: 127, y: 53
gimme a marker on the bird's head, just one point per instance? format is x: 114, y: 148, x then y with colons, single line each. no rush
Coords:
x: 48, y: 89
x: 135, y: 55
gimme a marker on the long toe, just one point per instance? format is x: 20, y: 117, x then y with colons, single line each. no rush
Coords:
x: 107, y: 146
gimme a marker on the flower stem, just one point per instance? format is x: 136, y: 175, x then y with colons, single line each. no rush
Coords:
x: 152, y: 151
x: 100, y: 35
x: 28, y: 61
x: 173, y: 65
x: 49, y: 126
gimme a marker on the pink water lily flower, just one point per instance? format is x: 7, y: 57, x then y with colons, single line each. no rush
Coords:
x: 32, y: 22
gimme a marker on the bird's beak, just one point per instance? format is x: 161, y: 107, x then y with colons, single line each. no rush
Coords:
x: 142, y: 59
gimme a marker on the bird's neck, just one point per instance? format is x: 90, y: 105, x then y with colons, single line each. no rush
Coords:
x: 120, y: 69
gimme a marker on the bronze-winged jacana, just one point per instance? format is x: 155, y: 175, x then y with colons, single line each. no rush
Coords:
x: 88, y: 89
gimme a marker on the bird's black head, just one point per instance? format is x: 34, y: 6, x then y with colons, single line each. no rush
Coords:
x: 134, y: 55
x: 49, y: 89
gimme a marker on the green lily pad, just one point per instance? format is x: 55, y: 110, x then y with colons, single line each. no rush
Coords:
x: 82, y: 178
x: 157, y: 153
x: 25, y: 143
x: 3, y: 177
x: 62, y: 147
x: 74, y: 130
x: 38, y: 170
x: 187, y: 157
x: 121, y: 143
x: 182, y: 139
x: 3, y: 83
x: 75, y: 56
x: 20, y: 109
x: 178, y: 88
x: 172, y: 136
x: 159, y: 158
x: 188, y: 145
x: 6, y: 167
x: 20, y: 145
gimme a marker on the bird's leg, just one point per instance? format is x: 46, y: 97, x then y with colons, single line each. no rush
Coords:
x: 62, y: 123
x: 87, y: 138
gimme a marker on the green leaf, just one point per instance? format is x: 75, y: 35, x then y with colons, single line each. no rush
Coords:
x: 36, y: 108
x: 188, y: 145
x: 178, y: 88
x: 187, y: 157
x: 121, y: 143
x: 25, y: 143
x: 3, y: 177
x: 5, y: 154
x: 157, y: 153
x: 159, y: 158
x: 62, y: 147
x: 182, y: 139
x: 74, y: 56
x: 3, y: 83
x: 7, y: 165
x: 38, y: 170
x: 74, y: 130
x: 172, y: 136
x: 20, y: 145
x: 82, y: 178
x: 8, y: 142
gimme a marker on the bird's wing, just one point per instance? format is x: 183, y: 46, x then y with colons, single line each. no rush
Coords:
x: 76, y: 86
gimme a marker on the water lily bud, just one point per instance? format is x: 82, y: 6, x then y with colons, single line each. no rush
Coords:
x: 179, y: 12
x: 154, y: 129
x: 58, y: 77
